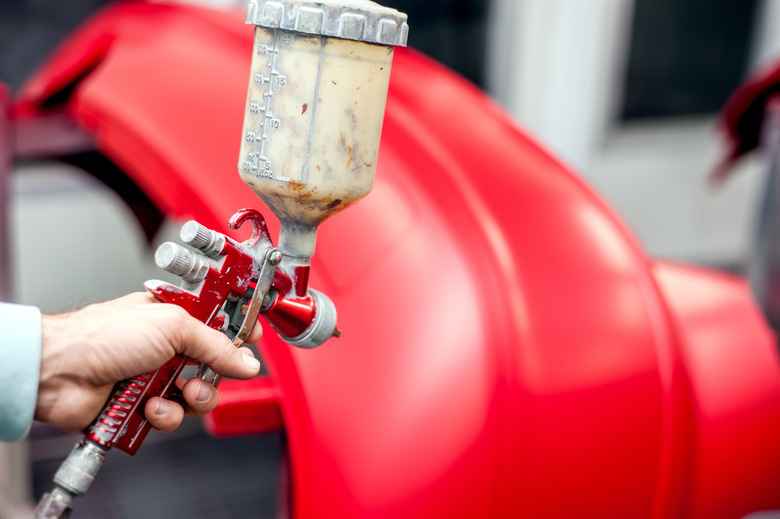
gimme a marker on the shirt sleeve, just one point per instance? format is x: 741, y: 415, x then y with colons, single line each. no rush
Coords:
x: 20, y: 351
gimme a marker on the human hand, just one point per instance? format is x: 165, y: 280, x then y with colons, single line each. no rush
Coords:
x: 85, y: 353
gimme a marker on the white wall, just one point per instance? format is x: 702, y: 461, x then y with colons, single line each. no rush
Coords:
x: 64, y: 226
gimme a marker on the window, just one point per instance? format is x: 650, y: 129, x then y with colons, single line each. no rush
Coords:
x: 686, y: 58
x: 450, y: 31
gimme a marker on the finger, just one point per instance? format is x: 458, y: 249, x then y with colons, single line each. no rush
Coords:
x: 245, y: 350
x: 217, y: 351
x: 256, y: 335
x: 164, y: 415
x: 201, y: 397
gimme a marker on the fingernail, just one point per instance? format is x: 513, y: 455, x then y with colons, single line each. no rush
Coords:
x: 161, y: 408
x: 251, y: 362
x: 203, y: 393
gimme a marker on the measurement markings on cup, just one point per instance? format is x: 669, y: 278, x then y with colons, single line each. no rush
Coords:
x: 258, y: 163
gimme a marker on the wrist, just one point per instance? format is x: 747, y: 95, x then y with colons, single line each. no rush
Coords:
x: 56, y: 373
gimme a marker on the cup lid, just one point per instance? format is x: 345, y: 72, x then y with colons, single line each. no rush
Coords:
x: 359, y: 20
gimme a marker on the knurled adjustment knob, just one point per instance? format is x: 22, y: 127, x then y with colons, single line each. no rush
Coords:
x: 179, y: 261
x: 202, y: 238
x: 196, y: 235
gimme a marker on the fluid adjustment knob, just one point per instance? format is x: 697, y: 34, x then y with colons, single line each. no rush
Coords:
x: 202, y: 238
x: 182, y: 262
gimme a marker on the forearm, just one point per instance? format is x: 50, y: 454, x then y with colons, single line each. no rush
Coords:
x: 20, y: 350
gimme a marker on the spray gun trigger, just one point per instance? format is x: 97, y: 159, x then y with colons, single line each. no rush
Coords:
x: 271, y: 259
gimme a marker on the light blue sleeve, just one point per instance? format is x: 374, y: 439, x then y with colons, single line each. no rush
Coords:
x: 20, y: 351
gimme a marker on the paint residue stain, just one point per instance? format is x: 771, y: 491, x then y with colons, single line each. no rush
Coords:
x: 305, y: 107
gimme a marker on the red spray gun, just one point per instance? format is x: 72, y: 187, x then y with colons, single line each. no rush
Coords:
x: 315, y: 104
x: 227, y: 285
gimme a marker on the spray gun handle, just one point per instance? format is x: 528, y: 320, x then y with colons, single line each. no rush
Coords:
x: 122, y: 423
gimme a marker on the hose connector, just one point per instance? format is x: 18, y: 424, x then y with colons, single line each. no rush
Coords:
x: 73, y: 479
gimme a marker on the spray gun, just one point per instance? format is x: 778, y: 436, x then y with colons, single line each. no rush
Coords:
x: 315, y: 104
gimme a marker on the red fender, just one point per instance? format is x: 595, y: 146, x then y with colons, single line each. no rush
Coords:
x: 508, y: 349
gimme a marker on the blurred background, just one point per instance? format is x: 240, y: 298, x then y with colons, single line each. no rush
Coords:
x: 624, y: 91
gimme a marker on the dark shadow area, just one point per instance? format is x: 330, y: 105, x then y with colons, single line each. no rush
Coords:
x: 31, y: 29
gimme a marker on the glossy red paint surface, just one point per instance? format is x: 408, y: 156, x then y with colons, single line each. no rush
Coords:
x: 732, y: 364
x: 508, y: 350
